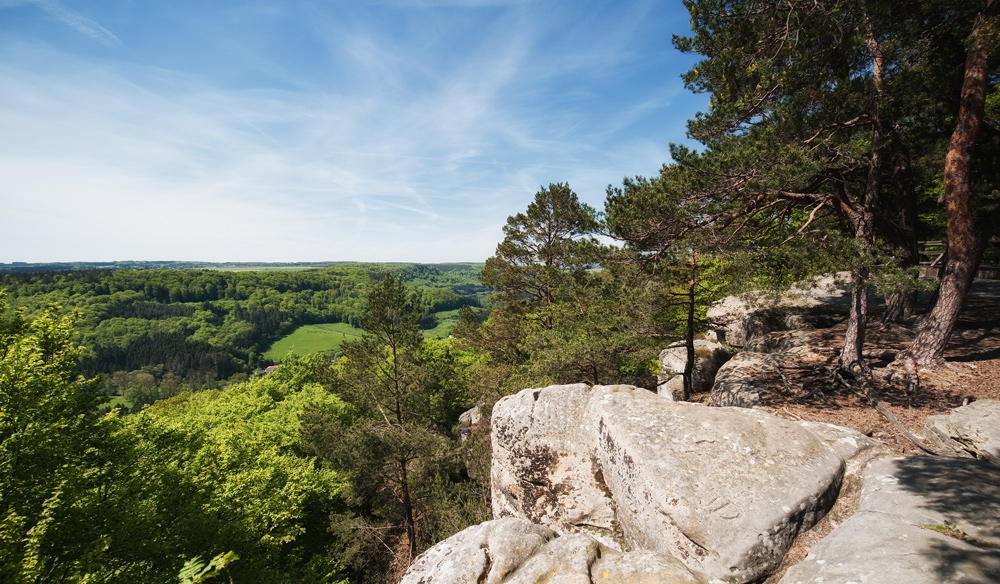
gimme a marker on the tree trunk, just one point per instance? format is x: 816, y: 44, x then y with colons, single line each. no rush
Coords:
x: 964, y: 247
x: 928, y: 347
x: 411, y: 527
x: 900, y: 305
x: 863, y: 221
x: 689, y: 333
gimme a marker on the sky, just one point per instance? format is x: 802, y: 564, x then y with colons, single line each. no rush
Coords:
x: 308, y: 130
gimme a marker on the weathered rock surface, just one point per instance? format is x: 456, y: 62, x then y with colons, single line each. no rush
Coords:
x: 467, y: 421
x: 709, y: 356
x: 898, y: 533
x: 748, y: 378
x: 740, y: 382
x: 848, y: 443
x: 516, y: 551
x: 738, y: 321
x: 972, y: 431
x: 725, y: 490
x: 545, y: 465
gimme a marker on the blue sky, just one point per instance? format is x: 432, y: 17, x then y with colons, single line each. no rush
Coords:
x: 395, y: 130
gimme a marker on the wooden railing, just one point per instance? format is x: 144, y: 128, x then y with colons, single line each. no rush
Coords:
x: 932, y: 256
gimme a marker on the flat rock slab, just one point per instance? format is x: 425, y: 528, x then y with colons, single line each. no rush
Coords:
x: 516, y: 551
x: 921, y: 520
x: 726, y: 490
x: 972, y: 430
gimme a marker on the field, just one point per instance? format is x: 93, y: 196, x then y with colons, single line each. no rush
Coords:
x: 313, y: 338
x: 446, y: 321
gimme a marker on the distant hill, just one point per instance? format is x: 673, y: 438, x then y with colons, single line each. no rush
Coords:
x: 16, y: 267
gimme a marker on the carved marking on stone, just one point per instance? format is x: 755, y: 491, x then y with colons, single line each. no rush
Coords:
x: 723, y: 508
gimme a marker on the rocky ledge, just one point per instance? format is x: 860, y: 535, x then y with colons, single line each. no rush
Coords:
x: 618, y: 484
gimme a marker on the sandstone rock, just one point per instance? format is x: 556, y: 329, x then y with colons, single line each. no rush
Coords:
x: 848, y: 443
x: 467, y: 421
x: 709, y: 356
x: 494, y: 548
x: 737, y: 321
x: 545, y: 464
x: 726, y: 318
x: 740, y: 382
x: 900, y: 531
x: 972, y: 430
x: 724, y: 490
x: 516, y: 551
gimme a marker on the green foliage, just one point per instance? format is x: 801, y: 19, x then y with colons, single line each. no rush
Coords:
x: 157, y: 333
x: 197, y: 571
x: 48, y: 439
x: 128, y: 499
x: 555, y: 316
x: 402, y: 467
x: 544, y: 248
x: 313, y: 338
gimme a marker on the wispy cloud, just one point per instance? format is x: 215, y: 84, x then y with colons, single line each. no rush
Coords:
x: 70, y: 17
x: 410, y: 151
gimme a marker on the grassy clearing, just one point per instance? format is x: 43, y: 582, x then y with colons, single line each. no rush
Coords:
x: 447, y: 320
x: 115, y: 401
x: 313, y: 338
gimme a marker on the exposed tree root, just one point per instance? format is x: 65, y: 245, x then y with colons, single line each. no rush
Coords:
x: 864, y: 386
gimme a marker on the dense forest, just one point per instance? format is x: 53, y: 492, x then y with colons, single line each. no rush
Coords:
x: 154, y: 333
x: 838, y: 133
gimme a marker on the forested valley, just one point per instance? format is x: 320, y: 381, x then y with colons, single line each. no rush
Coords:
x: 839, y: 133
x: 152, y: 334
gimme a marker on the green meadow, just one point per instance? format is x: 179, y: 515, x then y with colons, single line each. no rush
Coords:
x: 313, y: 338
x: 446, y: 321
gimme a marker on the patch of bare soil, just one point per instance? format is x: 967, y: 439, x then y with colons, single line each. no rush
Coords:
x: 806, y: 391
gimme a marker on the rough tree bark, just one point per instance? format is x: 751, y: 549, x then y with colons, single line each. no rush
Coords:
x: 964, y: 247
x: 689, y: 361
x: 863, y: 222
x: 901, y: 228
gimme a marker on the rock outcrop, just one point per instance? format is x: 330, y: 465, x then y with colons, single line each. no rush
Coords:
x: 545, y: 465
x: 516, y: 551
x: 748, y: 379
x: 468, y: 421
x: 737, y: 321
x: 617, y: 484
x: 724, y: 490
x: 709, y: 356
x: 972, y: 431
x: 921, y: 520
x: 741, y: 381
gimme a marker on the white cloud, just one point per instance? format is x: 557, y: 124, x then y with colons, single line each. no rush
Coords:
x: 407, y: 156
x: 70, y: 17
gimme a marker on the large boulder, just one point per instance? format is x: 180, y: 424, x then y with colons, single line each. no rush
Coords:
x: 545, y: 465
x: 468, y: 421
x: 972, y: 431
x: 516, y: 551
x: 709, y: 356
x: 734, y: 321
x: 742, y: 381
x: 724, y: 490
x: 920, y: 520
